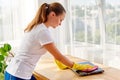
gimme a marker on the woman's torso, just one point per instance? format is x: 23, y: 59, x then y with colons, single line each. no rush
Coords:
x: 29, y: 52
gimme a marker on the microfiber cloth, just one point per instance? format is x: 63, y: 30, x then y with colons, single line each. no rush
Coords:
x: 96, y: 70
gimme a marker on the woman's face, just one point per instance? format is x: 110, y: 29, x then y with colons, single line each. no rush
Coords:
x: 56, y: 20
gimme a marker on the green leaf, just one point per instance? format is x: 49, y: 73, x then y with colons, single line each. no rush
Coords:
x: 1, y: 64
x: 2, y: 50
x: 4, y: 53
x: 5, y: 66
x: 7, y: 47
x: 1, y: 58
x: 1, y: 76
x: 0, y: 67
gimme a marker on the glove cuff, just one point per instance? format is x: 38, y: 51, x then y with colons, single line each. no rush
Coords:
x: 61, y: 65
x: 74, y: 66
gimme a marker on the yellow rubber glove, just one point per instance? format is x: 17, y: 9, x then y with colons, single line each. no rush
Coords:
x: 83, y: 67
x: 60, y: 65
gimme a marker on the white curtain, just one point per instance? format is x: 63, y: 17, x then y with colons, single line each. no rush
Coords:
x: 14, y: 17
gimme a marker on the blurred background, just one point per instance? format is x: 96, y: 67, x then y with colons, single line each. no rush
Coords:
x: 91, y: 29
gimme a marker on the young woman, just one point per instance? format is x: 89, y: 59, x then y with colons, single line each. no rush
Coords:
x: 37, y: 41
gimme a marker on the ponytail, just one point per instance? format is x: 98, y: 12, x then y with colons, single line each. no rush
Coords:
x: 39, y: 18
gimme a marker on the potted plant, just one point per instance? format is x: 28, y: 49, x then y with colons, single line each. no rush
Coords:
x: 4, y: 53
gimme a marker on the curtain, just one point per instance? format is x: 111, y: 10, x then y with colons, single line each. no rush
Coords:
x: 14, y: 17
x: 94, y: 31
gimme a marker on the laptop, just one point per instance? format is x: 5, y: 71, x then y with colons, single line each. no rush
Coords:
x: 82, y: 73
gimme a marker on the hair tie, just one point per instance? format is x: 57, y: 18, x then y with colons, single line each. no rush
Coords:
x: 47, y: 6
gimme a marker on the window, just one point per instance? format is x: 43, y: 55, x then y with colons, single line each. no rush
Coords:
x: 112, y: 19
x: 85, y: 21
x: 95, y: 28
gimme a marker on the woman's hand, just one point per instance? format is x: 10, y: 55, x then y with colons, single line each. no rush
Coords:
x: 84, y: 67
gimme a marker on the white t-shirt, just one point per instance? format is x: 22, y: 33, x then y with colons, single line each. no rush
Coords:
x: 29, y: 52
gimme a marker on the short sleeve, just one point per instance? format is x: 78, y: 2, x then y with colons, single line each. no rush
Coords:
x: 44, y: 37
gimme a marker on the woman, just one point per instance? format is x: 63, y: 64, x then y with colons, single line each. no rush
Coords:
x: 37, y: 41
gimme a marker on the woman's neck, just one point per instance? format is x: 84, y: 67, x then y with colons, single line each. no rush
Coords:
x: 46, y: 24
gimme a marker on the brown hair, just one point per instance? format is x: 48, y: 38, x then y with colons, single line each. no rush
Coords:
x: 43, y: 12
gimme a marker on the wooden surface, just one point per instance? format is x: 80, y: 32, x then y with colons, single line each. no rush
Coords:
x: 48, y: 68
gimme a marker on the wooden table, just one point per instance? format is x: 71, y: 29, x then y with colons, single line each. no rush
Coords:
x: 48, y: 68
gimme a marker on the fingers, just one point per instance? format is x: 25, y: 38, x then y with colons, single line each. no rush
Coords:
x: 90, y: 69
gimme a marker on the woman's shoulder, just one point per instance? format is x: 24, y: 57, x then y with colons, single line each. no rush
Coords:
x: 41, y: 26
x: 41, y: 29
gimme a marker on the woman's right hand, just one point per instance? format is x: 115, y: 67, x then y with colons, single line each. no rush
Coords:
x: 84, y: 67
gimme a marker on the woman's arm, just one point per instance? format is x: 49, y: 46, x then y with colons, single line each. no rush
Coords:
x: 57, y: 54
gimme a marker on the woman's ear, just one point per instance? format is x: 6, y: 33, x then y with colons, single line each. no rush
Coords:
x: 52, y: 14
